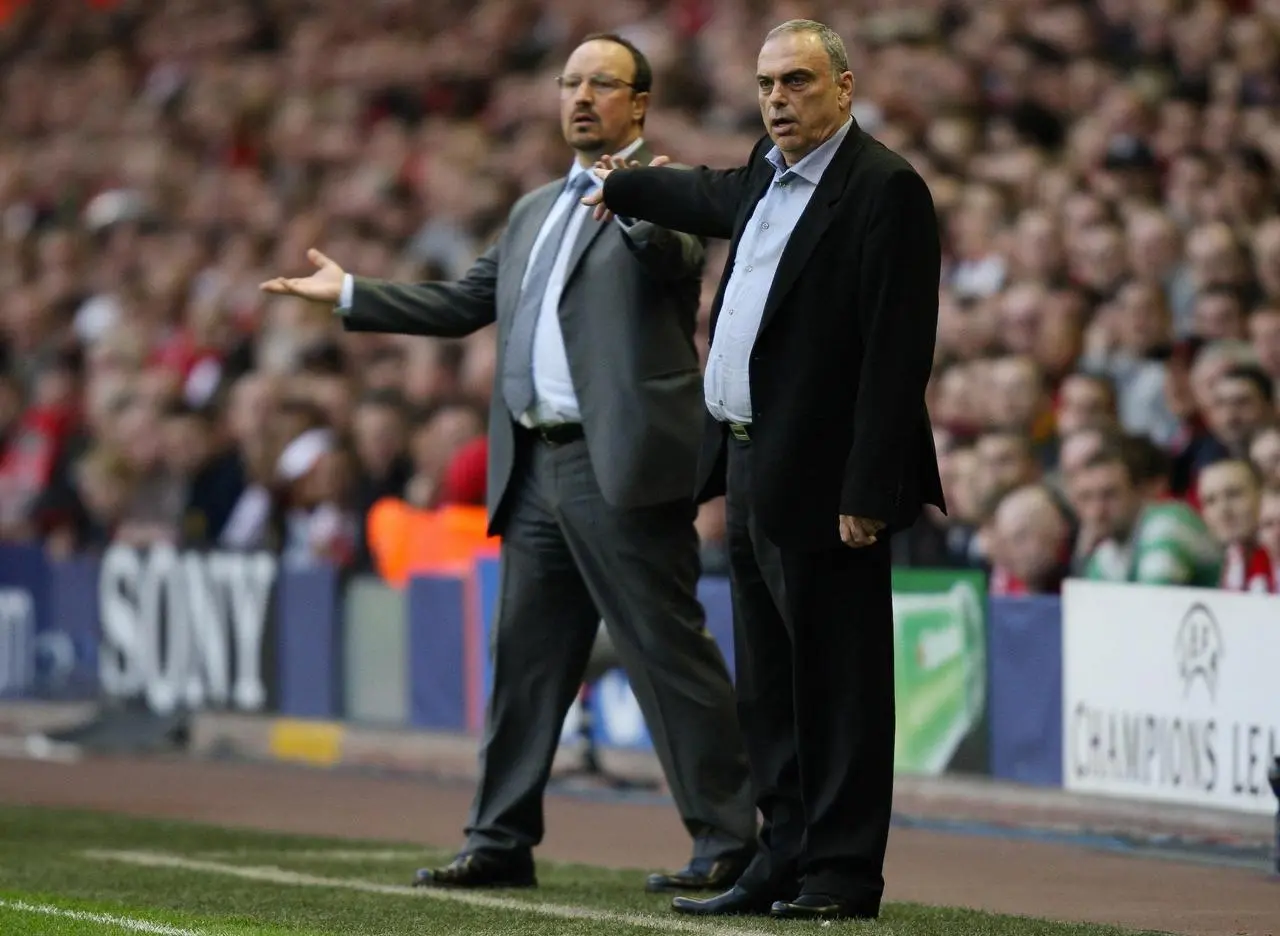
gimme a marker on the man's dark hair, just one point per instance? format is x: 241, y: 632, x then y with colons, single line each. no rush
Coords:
x: 643, y: 79
x: 1255, y: 375
x: 1146, y: 460
x: 1097, y: 378
x: 1105, y: 457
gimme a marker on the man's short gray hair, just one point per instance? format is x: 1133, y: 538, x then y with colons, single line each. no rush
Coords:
x: 831, y: 41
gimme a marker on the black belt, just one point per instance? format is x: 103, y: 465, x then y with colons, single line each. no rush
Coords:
x: 559, y: 434
x: 740, y: 431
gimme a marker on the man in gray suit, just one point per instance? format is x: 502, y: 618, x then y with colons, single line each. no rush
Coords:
x: 593, y: 442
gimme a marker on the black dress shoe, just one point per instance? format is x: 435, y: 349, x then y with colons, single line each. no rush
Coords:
x: 823, y: 907
x: 736, y: 901
x: 479, y: 870
x: 706, y: 874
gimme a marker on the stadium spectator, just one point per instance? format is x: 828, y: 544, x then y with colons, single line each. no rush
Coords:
x: 1134, y: 538
x: 1264, y: 452
x: 1086, y: 401
x: 1230, y: 494
x: 383, y: 466
x: 1031, y: 543
x: 1269, y: 520
x: 1106, y: 177
x: 1264, y: 333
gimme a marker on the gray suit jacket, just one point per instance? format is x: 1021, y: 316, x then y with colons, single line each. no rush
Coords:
x: 627, y: 313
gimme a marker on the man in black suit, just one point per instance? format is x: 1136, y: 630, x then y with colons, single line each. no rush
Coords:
x: 822, y: 341
x: 594, y: 431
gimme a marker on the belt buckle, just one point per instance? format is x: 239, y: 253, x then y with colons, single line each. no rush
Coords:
x: 740, y: 432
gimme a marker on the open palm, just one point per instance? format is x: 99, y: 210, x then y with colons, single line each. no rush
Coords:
x: 324, y: 285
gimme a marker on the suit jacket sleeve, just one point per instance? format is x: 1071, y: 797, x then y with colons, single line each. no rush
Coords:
x: 665, y: 254
x: 444, y: 310
x: 698, y: 201
x: 898, y: 320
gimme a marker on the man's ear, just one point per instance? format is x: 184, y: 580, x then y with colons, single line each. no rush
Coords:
x: 640, y: 105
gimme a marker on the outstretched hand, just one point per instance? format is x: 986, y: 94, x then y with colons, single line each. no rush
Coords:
x: 324, y: 285
x: 605, y: 165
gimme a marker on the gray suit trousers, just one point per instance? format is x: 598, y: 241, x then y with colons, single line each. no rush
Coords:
x: 569, y: 559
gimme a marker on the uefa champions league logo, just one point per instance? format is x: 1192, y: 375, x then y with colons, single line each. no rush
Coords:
x: 1199, y: 649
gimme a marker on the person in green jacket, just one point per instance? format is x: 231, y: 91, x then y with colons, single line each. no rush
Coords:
x: 1138, y: 539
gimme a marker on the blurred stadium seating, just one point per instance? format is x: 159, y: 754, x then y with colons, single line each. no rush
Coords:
x: 1106, y: 173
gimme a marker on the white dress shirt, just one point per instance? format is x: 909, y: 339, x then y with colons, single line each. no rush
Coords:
x: 555, y: 400
x: 727, y: 384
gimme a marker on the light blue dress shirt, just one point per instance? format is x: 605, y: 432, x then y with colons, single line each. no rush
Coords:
x: 727, y: 384
x: 555, y: 400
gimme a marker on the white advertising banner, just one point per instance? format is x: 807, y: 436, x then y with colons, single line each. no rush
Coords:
x: 1170, y: 694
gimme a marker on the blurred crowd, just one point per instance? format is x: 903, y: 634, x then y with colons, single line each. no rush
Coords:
x: 1108, y: 359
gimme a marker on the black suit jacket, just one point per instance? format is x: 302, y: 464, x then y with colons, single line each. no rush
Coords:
x: 840, y: 364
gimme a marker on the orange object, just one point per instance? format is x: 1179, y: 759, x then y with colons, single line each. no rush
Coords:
x: 405, y: 540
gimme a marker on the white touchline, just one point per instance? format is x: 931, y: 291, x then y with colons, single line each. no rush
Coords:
x: 325, y: 854
x: 273, y: 875
x: 109, y: 919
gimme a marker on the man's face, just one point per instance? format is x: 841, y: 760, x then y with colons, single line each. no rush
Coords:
x: 1212, y: 252
x: 1030, y: 535
x: 1266, y: 251
x: 1264, y: 332
x: 1083, y: 404
x: 1264, y: 452
x: 1106, y: 499
x: 10, y: 405
x: 1038, y: 247
x: 1153, y: 246
x: 253, y: 399
x: 186, y: 444
x: 1237, y: 410
x: 1004, y: 462
x: 1143, y: 320
x: 1016, y: 393
x: 379, y: 436
x: 599, y: 111
x: 801, y: 101
x: 1021, y: 308
x: 1229, y: 500
x: 1269, y: 523
x: 1217, y: 315
x: 959, y: 471
x: 1103, y: 250
x: 435, y: 443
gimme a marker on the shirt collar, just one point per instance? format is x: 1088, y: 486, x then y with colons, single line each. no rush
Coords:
x: 623, y: 153
x: 811, y: 167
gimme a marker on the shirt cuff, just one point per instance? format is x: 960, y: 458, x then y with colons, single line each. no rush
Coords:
x: 347, y: 295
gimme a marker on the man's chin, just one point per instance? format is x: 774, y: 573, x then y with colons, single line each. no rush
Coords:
x: 585, y: 141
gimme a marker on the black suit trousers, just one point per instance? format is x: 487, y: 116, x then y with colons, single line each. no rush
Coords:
x: 813, y: 647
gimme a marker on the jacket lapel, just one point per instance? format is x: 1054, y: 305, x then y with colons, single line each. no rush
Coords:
x: 591, y: 228
x: 813, y: 222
